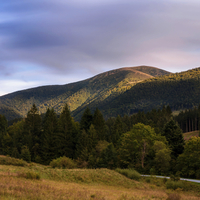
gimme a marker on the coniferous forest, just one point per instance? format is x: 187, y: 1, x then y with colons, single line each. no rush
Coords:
x: 150, y: 142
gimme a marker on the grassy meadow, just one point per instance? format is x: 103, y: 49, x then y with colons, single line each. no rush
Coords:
x: 33, y: 181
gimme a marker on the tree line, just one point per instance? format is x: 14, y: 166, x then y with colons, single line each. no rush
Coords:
x: 150, y: 142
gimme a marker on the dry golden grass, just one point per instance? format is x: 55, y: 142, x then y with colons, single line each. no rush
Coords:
x: 78, y: 184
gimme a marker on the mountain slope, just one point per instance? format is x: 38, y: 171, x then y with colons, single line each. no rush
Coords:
x: 105, y: 86
x: 179, y: 91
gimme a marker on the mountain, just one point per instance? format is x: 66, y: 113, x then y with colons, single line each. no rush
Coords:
x: 179, y: 91
x: 101, y: 88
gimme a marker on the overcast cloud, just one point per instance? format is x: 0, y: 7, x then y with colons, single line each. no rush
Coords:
x: 45, y: 42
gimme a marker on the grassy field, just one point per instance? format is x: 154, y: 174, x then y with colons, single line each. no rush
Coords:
x: 35, y: 181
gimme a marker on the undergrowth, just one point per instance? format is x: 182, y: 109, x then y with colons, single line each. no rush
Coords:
x: 130, y: 173
x: 6, y: 160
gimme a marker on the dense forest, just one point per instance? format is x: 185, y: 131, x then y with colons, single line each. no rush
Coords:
x: 179, y: 90
x: 150, y: 142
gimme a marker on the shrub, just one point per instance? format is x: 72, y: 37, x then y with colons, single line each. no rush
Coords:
x: 174, y: 185
x: 148, y: 180
x: 5, y: 160
x: 130, y: 173
x: 174, y: 196
x: 175, y: 177
x: 30, y: 175
x: 63, y: 162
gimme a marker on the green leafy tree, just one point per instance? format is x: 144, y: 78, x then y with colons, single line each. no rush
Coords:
x: 188, y: 163
x: 135, y: 144
x: 162, y: 157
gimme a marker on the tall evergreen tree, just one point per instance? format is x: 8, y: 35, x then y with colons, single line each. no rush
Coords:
x: 118, y: 130
x: 32, y: 132
x: 108, y: 157
x: 50, y: 131
x: 82, y: 151
x: 100, y: 125
x: 86, y: 120
x: 174, y: 136
x: 3, y: 132
x: 65, y: 139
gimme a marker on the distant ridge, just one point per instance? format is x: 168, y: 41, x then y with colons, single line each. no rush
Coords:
x: 102, y: 87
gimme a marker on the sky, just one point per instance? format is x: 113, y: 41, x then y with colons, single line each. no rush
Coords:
x: 48, y: 42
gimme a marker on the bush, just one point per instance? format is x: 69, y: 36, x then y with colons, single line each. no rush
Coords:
x: 30, y: 175
x: 63, y: 162
x: 175, y: 177
x: 148, y: 180
x: 174, y: 185
x: 130, y: 173
x: 5, y: 160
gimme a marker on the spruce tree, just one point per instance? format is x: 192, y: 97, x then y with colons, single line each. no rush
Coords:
x: 3, y: 132
x: 65, y: 139
x: 108, y: 157
x: 99, y: 125
x: 32, y: 132
x: 86, y: 120
x: 174, y: 136
x: 50, y: 131
x: 25, y: 154
x: 82, y: 145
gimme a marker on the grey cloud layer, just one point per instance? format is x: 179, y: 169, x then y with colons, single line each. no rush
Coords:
x: 69, y: 36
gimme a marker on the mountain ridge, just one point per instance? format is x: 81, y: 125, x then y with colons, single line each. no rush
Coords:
x: 106, y: 85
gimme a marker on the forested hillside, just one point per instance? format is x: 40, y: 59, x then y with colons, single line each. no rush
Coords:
x: 105, y: 86
x: 180, y: 91
x: 151, y: 142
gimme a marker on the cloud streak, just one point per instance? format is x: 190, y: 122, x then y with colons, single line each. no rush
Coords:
x: 70, y: 40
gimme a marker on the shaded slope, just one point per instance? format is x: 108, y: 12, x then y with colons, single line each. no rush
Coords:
x: 180, y: 91
x: 78, y: 95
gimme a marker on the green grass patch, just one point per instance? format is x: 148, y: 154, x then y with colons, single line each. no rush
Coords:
x: 130, y: 173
